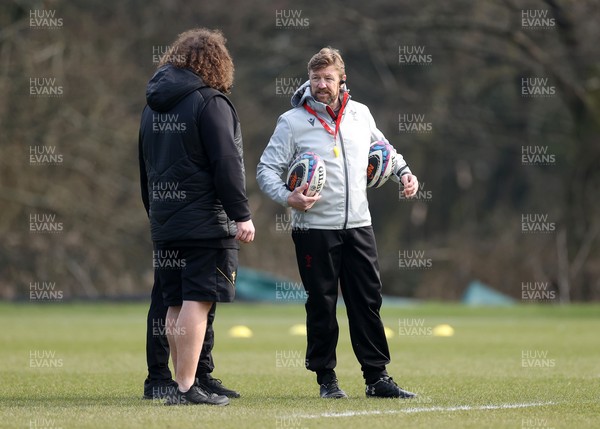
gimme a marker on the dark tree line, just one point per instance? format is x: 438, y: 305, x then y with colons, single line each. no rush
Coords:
x: 496, y: 106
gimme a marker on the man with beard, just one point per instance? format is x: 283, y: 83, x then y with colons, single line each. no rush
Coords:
x: 332, y: 231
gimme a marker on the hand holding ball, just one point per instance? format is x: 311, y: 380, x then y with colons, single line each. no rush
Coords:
x: 382, y: 163
x: 306, y: 178
x: 307, y: 168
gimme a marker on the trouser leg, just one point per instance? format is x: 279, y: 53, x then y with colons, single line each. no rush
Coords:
x: 157, y: 347
x: 361, y: 289
x: 318, y: 257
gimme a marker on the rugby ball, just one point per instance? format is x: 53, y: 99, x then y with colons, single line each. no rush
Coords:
x: 308, y: 168
x: 381, y: 164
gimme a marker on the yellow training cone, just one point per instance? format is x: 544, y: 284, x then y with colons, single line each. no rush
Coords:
x: 299, y: 330
x: 240, y: 331
x: 443, y: 331
x: 389, y: 333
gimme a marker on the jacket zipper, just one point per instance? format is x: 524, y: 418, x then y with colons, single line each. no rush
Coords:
x: 345, y: 177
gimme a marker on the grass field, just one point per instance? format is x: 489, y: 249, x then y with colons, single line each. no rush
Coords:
x: 83, y: 366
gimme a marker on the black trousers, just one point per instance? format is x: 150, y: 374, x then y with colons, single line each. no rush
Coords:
x: 157, y: 347
x: 346, y: 257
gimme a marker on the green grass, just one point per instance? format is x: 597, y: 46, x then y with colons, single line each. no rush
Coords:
x: 99, y: 351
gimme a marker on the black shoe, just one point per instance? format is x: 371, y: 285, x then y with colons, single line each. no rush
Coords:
x: 214, y: 385
x: 386, y: 387
x: 196, y: 396
x: 158, y: 389
x: 332, y: 390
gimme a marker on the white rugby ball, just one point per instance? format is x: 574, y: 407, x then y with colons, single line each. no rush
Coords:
x: 382, y: 163
x: 308, y: 168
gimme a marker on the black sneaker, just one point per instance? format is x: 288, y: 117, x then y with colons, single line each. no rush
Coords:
x: 196, y: 396
x: 214, y: 385
x: 158, y: 389
x: 386, y: 387
x: 332, y: 390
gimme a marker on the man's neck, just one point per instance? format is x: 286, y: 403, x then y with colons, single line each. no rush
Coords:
x: 335, y: 106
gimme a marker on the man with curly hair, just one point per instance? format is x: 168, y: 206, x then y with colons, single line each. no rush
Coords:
x: 193, y: 189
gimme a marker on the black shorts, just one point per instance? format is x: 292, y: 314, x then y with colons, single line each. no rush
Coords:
x: 195, y: 274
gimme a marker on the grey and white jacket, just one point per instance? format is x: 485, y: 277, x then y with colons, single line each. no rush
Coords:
x: 343, y: 202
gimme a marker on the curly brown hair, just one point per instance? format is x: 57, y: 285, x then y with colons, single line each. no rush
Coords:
x: 204, y: 52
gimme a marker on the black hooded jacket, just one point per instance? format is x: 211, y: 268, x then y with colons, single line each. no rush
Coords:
x: 191, y: 167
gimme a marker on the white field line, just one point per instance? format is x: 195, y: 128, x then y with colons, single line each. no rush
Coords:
x: 425, y: 410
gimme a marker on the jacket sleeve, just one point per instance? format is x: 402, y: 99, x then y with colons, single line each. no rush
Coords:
x: 274, y: 163
x: 218, y: 126
x: 401, y: 167
x: 143, y: 176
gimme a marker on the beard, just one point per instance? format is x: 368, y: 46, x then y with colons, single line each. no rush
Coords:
x: 326, y: 97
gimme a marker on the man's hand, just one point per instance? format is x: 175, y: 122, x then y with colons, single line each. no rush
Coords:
x: 245, y: 231
x: 301, y: 202
x: 411, y: 185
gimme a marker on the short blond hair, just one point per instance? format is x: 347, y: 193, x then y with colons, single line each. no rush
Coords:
x: 326, y: 57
